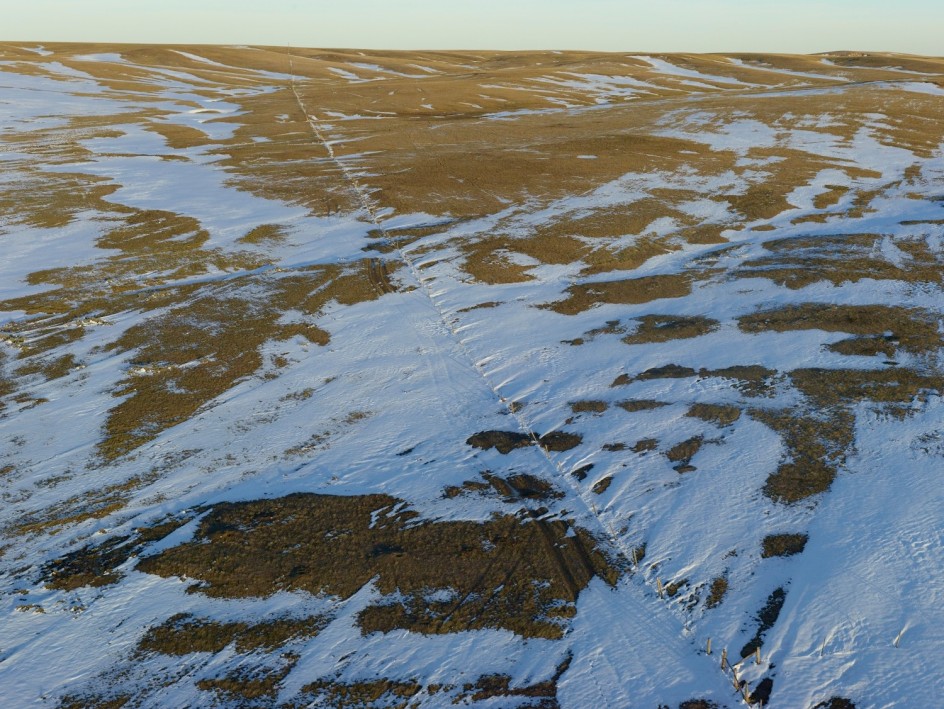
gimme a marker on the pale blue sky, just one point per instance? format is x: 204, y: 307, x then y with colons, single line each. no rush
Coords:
x: 915, y: 26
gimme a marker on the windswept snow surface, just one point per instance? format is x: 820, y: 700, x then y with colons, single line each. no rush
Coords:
x: 662, y: 66
x: 689, y: 289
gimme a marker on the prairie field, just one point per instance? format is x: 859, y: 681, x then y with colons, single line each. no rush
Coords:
x: 338, y: 378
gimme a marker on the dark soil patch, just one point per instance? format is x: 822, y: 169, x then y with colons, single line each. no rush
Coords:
x: 766, y: 617
x: 502, y: 441
x: 698, y: 704
x: 523, y: 486
x: 761, y: 693
x: 582, y: 472
x: 836, y: 703
x: 506, y: 441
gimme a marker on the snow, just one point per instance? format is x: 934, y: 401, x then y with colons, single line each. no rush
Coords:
x: 787, y: 72
x: 921, y: 87
x: 872, y: 567
x: 661, y: 66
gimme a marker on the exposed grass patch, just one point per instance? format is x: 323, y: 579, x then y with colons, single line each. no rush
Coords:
x: 50, y: 368
x: 645, y: 445
x: 716, y: 592
x: 718, y: 414
x: 396, y: 694
x: 592, y: 406
x: 94, y: 504
x: 895, y: 386
x: 751, y: 380
x: 880, y: 329
x: 583, y: 296
x: 636, y: 405
x: 668, y: 371
x: 265, y: 234
x: 560, y: 441
x: 523, y: 486
x: 183, y: 633
x: 602, y: 485
x: 195, y: 352
x: 783, y: 545
x: 800, y: 261
x: 93, y: 701
x: 250, y: 684
x: 759, y: 202
x: 686, y: 450
x: 664, y: 328
x: 97, y: 564
x: 367, y: 693
x: 831, y: 196
x: 816, y: 446
x: 509, y: 572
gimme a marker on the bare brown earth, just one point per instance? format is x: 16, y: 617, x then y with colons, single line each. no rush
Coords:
x: 479, y: 142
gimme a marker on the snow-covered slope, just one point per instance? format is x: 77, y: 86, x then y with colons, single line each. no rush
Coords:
x: 421, y: 379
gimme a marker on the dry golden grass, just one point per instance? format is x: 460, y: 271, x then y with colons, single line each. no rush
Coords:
x: 816, y: 445
x: 879, y: 329
x: 634, y: 405
x: 800, y: 261
x: 717, y: 591
x: 645, y: 289
x: 182, y: 634
x: 248, y: 685
x: 718, y: 414
x: 592, y: 406
x: 783, y: 545
x: 97, y: 564
x: 427, y: 145
x: 682, y: 453
x: 523, y: 575
x: 664, y: 328
x: 376, y: 693
x: 645, y: 445
x: 196, y: 351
